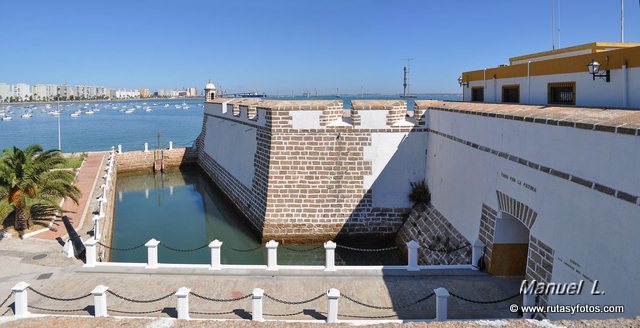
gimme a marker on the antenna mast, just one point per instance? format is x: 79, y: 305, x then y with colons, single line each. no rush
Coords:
x: 622, y: 21
x: 553, y: 27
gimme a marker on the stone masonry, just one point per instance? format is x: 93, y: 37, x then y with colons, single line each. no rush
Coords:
x: 440, y: 242
x: 308, y: 182
x: 141, y: 160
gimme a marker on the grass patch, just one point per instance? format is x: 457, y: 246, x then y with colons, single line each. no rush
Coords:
x: 72, y: 162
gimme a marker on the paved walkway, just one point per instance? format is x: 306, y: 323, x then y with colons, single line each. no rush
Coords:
x: 86, y: 181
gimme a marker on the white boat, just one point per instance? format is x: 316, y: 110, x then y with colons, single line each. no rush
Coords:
x: 76, y: 114
x: 185, y: 107
x: 148, y: 109
x: 54, y: 113
x: 129, y: 111
x: 7, y: 118
x: 166, y: 105
x: 89, y: 112
x: 26, y: 115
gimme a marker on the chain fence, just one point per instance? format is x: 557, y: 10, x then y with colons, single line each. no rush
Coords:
x: 283, y: 314
x: 211, y: 313
x: 356, y: 249
x: 56, y: 310
x: 446, y: 250
x: 187, y: 250
x: 293, y: 302
x: 245, y: 250
x: 135, y: 312
x: 484, y: 302
x: 70, y: 299
x: 140, y: 301
x: 121, y: 249
x: 3, y: 303
x: 301, y: 250
x: 213, y: 299
x: 403, y: 306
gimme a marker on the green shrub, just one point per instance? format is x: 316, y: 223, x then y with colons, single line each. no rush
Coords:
x: 420, y: 193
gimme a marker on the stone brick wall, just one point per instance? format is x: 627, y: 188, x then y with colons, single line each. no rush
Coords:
x: 142, y: 161
x: 309, y: 182
x: 487, y: 231
x: 440, y: 242
x: 539, y: 264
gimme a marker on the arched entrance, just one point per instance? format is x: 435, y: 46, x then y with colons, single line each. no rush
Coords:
x: 510, y: 246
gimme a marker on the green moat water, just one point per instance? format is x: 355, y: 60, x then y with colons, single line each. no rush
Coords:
x: 183, y: 210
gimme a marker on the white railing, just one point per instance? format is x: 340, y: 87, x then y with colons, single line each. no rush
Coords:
x: 107, y: 185
x: 272, y: 258
x: 101, y: 306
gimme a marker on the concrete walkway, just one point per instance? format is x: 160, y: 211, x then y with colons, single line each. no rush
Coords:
x: 86, y: 181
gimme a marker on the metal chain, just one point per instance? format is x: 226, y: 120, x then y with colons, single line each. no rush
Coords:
x: 54, y: 310
x: 284, y: 314
x: 368, y: 249
x: 140, y: 301
x: 5, y: 312
x: 184, y: 250
x: 58, y: 298
x: 5, y: 300
x: 484, y: 302
x: 367, y: 316
x: 445, y: 250
x: 245, y: 250
x: 120, y: 249
x: 293, y: 302
x: 302, y: 250
x: 211, y: 313
x: 135, y: 312
x: 212, y: 299
x: 389, y: 307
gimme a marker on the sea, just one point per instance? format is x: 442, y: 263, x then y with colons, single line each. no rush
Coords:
x: 98, y: 126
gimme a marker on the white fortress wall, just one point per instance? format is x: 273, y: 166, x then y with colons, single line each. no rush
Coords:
x: 595, y: 233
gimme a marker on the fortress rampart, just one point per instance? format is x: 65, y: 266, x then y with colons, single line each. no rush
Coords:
x: 302, y: 170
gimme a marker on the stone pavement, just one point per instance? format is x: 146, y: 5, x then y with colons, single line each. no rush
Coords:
x: 57, y: 276
x: 86, y: 181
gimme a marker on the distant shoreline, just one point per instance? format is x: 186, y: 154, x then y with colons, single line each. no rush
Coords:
x: 92, y: 101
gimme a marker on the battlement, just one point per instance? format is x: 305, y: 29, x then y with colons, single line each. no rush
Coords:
x: 316, y: 114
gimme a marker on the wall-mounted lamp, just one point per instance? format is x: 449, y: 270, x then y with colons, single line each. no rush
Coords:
x: 594, y: 70
x: 460, y: 81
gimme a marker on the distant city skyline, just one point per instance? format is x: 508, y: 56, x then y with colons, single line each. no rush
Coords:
x: 282, y: 47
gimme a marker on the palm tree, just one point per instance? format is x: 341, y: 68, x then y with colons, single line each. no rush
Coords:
x: 30, y: 184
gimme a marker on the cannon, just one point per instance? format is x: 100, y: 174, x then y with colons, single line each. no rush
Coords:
x: 78, y: 245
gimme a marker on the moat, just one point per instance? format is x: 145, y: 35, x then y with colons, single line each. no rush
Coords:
x: 184, y: 210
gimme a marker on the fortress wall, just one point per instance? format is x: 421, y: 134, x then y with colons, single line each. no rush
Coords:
x: 314, y: 174
x: 143, y: 161
x: 572, y: 181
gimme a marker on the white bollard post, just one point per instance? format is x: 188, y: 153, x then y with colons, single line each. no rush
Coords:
x: 272, y: 255
x: 442, y: 298
x: 330, y: 256
x: 68, y: 249
x: 183, y: 303
x: 256, y: 301
x: 215, y: 255
x: 119, y: 149
x: 20, y: 306
x: 412, y: 256
x: 333, y: 296
x: 113, y: 150
x: 170, y: 145
x: 96, y: 223
x: 146, y: 147
x: 152, y: 253
x: 476, y: 252
x: 528, y: 300
x: 90, y: 246
x: 100, y: 301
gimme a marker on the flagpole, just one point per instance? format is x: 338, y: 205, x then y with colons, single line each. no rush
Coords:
x: 622, y: 21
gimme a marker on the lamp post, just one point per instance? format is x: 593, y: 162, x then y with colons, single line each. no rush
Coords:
x: 461, y: 82
x: 59, y: 139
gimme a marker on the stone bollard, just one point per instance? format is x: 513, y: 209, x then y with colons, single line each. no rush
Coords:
x: 215, y: 255
x: 20, y: 303
x: 170, y: 145
x: 330, y: 256
x: 146, y: 147
x: 442, y: 298
x: 96, y: 223
x: 333, y: 296
x: 528, y: 300
x: 272, y: 255
x: 476, y: 252
x: 182, y: 307
x: 100, y: 301
x: 256, y: 302
x: 412, y: 256
x: 119, y: 149
x: 152, y: 253
x: 90, y: 246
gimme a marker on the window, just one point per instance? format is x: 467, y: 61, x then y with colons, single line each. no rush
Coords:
x: 477, y: 94
x: 511, y: 93
x: 563, y: 93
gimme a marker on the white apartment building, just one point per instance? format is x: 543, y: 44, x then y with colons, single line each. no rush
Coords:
x: 22, y: 91
x: 127, y: 94
x: 65, y: 91
x: 44, y: 91
x: 5, y: 91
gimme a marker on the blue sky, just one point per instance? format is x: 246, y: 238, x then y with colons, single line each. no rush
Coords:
x: 281, y: 46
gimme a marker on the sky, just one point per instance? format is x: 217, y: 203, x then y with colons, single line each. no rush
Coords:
x: 280, y: 47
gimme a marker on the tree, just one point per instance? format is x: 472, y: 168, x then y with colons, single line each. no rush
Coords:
x: 30, y: 183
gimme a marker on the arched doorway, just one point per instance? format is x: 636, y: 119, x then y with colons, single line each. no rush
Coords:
x: 510, y: 246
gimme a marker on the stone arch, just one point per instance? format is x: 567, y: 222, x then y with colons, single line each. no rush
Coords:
x: 517, y: 209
